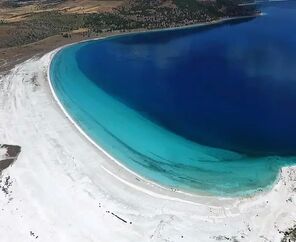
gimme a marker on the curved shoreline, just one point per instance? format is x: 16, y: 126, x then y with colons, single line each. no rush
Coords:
x: 76, y: 189
x: 173, y: 192
x: 144, y: 31
x: 63, y: 188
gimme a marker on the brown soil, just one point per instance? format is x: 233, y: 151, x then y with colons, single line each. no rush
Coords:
x: 12, y: 18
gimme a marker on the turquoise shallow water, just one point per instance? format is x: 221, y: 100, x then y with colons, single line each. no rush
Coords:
x: 86, y: 77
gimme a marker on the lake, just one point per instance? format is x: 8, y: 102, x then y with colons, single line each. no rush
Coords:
x: 207, y: 110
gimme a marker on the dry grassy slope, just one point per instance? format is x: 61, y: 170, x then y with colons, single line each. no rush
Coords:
x: 89, y: 6
x: 10, y: 13
x: 13, y: 15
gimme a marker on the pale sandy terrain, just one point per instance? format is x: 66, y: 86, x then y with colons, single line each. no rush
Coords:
x: 11, y: 15
x: 2, y: 153
x: 90, y: 6
x: 62, y: 188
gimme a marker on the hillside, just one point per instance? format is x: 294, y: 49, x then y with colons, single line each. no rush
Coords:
x: 56, y: 22
x: 23, y: 22
x: 172, y: 13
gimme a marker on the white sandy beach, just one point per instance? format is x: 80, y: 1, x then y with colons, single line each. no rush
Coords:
x: 64, y: 189
x: 3, y: 153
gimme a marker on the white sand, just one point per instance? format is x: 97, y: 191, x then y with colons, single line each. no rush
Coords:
x: 3, y: 152
x: 63, y: 187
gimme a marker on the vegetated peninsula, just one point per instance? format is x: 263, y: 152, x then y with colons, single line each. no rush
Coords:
x: 58, y: 22
x: 137, y: 14
x: 55, y: 17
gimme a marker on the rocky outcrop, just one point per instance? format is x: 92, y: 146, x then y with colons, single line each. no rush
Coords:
x: 10, y: 155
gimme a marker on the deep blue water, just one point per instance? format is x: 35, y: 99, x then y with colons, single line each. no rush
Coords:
x: 208, y: 108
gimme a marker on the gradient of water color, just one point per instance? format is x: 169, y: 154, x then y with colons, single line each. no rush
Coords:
x: 207, y: 110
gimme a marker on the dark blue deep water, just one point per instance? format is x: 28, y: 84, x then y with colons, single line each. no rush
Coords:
x: 233, y: 87
x: 230, y: 86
